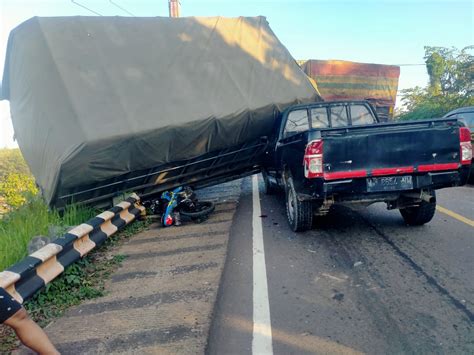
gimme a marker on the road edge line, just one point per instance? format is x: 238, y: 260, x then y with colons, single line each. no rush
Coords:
x: 455, y: 215
x: 262, y: 330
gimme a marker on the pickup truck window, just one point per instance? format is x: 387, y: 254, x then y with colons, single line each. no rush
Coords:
x: 319, y: 117
x: 339, y: 116
x: 466, y: 117
x: 297, y: 122
x: 360, y: 115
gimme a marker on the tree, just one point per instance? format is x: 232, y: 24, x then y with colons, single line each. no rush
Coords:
x: 451, y: 84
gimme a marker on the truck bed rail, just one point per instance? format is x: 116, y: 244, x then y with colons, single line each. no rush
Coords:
x: 209, y: 169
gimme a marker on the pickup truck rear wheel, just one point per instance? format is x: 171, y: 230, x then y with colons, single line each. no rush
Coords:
x: 299, y: 213
x: 419, y: 215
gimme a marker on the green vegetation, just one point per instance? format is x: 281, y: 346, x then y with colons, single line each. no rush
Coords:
x: 16, y: 181
x: 24, y: 214
x: 81, y: 281
x: 451, y: 85
x: 17, y: 188
x: 11, y: 160
x: 30, y: 219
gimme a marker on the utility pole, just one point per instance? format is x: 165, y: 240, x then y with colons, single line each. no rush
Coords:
x: 174, y: 7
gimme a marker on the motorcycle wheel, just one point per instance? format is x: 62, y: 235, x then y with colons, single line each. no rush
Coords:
x: 201, y: 209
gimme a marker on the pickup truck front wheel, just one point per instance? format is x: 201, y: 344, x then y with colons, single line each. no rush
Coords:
x: 299, y: 213
x: 419, y: 215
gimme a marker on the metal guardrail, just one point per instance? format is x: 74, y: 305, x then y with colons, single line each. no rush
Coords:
x: 25, y: 278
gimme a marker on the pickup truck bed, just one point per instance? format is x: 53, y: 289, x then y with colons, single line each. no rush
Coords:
x: 430, y: 145
x: 428, y: 151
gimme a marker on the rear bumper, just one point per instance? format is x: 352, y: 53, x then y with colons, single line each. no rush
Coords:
x: 354, y: 189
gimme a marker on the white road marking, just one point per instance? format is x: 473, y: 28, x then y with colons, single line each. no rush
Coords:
x: 262, y: 326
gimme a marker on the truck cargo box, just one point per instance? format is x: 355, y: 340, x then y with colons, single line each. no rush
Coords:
x: 105, y: 104
x: 345, y: 80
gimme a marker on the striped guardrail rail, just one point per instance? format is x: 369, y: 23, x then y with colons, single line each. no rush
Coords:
x: 25, y: 278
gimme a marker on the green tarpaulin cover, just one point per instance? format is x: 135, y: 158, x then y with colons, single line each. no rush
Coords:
x: 97, y: 97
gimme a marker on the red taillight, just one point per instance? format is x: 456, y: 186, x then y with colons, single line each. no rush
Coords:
x: 466, y: 145
x: 313, y: 159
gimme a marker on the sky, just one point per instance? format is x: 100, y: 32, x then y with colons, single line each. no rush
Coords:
x: 370, y: 31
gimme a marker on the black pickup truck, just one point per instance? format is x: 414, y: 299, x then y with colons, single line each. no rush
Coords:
x: 337, y: 152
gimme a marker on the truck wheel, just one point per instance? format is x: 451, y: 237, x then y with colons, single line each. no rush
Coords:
x: 299, y: 213
x: 417, y: 216
x: 270, y: 188
x: 471, y: 175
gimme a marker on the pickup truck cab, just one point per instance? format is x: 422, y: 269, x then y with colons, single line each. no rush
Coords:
x: 337, y: 152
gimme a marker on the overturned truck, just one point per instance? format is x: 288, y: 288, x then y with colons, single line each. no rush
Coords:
x: 105, y: 105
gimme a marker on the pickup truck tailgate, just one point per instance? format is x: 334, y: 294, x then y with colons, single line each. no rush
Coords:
x: 392, y: 148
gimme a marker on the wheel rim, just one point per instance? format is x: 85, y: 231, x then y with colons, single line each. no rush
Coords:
x: 290, y: 204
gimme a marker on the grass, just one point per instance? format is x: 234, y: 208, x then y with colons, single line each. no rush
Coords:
x: 33, y: 218
x: 23, y: 214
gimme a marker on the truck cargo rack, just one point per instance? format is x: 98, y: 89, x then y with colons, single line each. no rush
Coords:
x: 205, y: 170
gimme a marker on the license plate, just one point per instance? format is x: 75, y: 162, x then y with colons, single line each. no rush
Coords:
x: 389, y: 183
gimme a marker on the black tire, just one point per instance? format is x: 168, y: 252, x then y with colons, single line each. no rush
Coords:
x: 201, y: 210
x: 419, y: 215
x: 299, y: 213
x: 269, y: 187
x: 470, y: 179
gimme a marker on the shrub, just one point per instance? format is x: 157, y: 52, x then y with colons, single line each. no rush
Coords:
x: 15, y: 188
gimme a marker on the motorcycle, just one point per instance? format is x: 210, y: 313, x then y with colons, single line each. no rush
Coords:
x: 182, y: 202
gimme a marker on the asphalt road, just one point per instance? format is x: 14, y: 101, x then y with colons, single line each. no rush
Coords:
x: 360, y: 282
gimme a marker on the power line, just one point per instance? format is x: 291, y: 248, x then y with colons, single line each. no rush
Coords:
x: 408, y: 65
x: 121, y: 8
x: 85, y: 7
